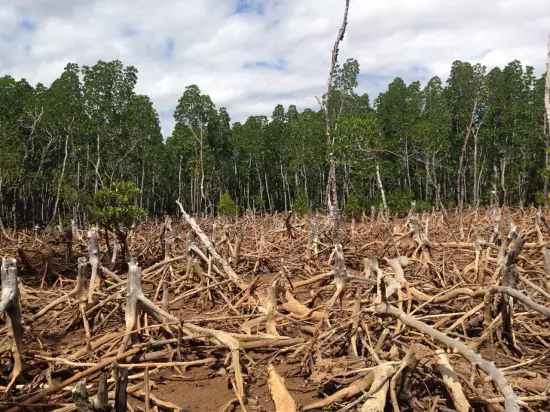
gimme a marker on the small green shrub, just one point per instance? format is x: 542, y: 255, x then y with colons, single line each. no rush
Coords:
x: 423, y: 206
x: 259, y: 203
x: 113, y: 208
x: 300, y: 206
x: 354, y: 204
x: 399, y: 200
x: 227, y: 206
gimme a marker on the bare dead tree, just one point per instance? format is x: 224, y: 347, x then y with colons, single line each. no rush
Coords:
x: 332, y: 195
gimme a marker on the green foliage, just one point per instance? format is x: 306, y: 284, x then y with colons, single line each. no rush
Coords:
x: 113, y: 208
x: 259, y: 203
x: 541, y: 200
x: 227, y: 206
x: 300, y: 206
x: 89, y: 129
x: 399, y: 200
x: 353, y: 204
x: 423, y: 206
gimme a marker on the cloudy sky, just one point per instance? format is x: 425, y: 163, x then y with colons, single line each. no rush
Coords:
x: 249, y: 55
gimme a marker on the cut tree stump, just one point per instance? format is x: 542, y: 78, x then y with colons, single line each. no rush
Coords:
x: 10, y: 305
x: 137, y: 302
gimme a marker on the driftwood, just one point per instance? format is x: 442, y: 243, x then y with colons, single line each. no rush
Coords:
x: 78, y: 292
x: 210, y: 247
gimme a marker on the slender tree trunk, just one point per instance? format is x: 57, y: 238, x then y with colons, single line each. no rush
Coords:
x: 96, y: 185
x: 61, y: 177
x: 546, y: 161
x: 547, y: 121
x: 476, y: 200
x: 142, y: 182
x: 461, y: 173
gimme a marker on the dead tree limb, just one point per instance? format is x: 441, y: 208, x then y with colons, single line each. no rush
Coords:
x: 210, y: 247
x: 452, y: 383
x: 511, y: 401
x: 79, y: 289
x: 75, y: 378
x: 411, y: 360
x: 10, y: 305
x: 121, y: 396
x: 281, y: 397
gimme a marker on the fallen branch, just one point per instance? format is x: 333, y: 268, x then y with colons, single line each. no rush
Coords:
x: 467, y: 352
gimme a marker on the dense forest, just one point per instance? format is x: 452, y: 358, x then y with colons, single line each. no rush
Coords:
x: 478, y: 137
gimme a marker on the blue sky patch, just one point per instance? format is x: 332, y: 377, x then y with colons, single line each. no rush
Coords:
x: 262, y: 64
x: 27, y: 25
x: 129, y: 31
x: 250, y: 6
x: 169, y: 48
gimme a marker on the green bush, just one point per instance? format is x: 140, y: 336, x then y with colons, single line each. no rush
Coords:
x: 300, y: 206
x: 423, y: 206
x: 227, y: 206
x: 399, y: 200
x: 113, y: 208
x: 259, y: 203
x: 354, y: 204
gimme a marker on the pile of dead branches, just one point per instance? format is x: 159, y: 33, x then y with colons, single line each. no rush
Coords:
x: 420, y: 319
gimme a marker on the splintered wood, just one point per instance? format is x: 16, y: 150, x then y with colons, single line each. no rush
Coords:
x: 274, y: 313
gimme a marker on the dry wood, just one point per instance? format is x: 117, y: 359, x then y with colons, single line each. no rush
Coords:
x: 75, y: 378
x: 345, y: 350
x: 476, y: 360
x: 93, y: 250
x: 210, y: 247
x: 377, y: 401
x: 452, y: 383
x: 11, y: 307
x: 136, y: 302
x: 279, y: 393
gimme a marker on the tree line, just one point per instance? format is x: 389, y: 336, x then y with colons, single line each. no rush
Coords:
x: 479, y: 137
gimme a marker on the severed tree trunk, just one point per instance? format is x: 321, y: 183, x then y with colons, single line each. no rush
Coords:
x: 136, y: 302
x: 10, y: 305
x: 93, y: 250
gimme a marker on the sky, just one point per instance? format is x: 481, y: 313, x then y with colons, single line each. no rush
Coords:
x: 250, y: 55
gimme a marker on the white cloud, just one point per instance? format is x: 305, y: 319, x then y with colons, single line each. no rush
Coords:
x: 231, y: 49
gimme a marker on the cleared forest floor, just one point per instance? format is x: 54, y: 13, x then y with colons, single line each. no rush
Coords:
x: 269, y: 306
